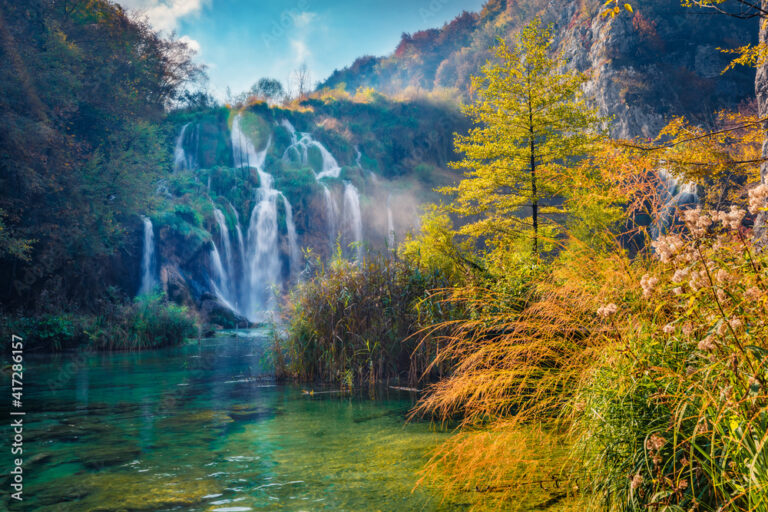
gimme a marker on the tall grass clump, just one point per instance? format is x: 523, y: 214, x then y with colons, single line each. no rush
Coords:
x: 675, y: 415
x: 625, y: 382
x: 353, y: 322
x: 513, y: 372
x: 149, y: 322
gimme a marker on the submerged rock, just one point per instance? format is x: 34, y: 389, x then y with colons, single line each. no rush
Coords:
x: 217, y: 313
x: 117, y: 453
x: 113, y: 492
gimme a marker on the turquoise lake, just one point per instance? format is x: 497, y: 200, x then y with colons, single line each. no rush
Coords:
x: 204, y: 427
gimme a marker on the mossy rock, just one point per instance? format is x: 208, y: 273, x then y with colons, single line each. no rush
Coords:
x: 203, y: 419
x: 123, y: 491
x: 108, y: 453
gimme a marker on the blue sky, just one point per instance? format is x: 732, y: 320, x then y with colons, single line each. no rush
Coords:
x: 243, y: 40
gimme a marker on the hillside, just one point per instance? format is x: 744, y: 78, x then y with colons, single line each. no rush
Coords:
x: 661, y: 62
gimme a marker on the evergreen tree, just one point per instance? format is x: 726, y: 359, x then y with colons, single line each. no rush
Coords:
x: 531, y: 124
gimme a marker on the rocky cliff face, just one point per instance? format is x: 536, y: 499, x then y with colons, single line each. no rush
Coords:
x: 663, y: 61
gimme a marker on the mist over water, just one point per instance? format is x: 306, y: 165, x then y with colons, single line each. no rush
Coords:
x: 253, y: 258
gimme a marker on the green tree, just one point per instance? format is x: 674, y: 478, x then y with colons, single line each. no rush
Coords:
x: 82, y: 101
x: 268, y: 88
x: 531, y: 123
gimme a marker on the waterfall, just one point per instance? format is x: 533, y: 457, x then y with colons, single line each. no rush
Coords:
x: 331, y: 212
x: 263, y: 254
x: 352, y: 216
x: 240, y: 239
x: 293, y: 242
x: 221, y: 279
x: 243, y: 152
x: 148, y: 269
x: 300, y: 144
x: 675, y: 195
x: 390, y: 225
x: 181, y: 160
x: 224, y: 232
x: 331, y: 168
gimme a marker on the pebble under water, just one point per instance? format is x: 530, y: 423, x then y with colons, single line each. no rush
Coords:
x: 204, y: 427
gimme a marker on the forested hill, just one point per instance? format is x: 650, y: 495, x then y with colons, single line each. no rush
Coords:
x: 83, y: 95
x: 660, y: 62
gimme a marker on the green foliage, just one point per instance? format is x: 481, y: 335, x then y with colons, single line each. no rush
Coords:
x: 435, y: 248
x: 152, y: 322
x: 355, y: 323
x: 675, y: 414
x: 84, y: 90
x: 149, y: 322
x: 531, y: 124
x: 10, y: 245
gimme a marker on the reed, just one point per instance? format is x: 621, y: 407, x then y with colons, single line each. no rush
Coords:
x: 353, y: 323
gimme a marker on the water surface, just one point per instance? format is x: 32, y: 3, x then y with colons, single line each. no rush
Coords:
x: 204, y: 427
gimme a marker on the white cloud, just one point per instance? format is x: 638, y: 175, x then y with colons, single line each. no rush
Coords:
x: 164, y: 14
x: 303, y: 19
x: 300, y: 50
x: 193, y: 44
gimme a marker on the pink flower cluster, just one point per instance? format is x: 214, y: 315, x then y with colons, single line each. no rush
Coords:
x: 757, y: 197
x: 648, y: 284
x: 607, y: 310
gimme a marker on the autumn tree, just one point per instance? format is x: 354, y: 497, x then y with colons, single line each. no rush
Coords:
x: 531, y: 123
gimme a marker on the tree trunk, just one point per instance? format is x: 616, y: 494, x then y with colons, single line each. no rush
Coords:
x: 534, y: 195
x: 761, y: 92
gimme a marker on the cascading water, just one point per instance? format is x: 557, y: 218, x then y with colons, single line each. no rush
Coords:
x: 182, y: 160
x: 262, y: 256
x: 244, y: 154
x: 221, y: 279
x: 293, y: 242
x: 390, y: 225
x: 331, y: 213
x: 299, y: 150
x: 148, y: 267
x: 352, y: 216
x: 240, y: 239
x: 224, y: 232
x: 300, y: 144
x: 676, y: 195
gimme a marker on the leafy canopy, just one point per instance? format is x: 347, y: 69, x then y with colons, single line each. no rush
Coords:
x: 531, y: 123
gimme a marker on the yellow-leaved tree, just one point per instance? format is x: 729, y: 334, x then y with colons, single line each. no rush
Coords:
x: 531, y: 124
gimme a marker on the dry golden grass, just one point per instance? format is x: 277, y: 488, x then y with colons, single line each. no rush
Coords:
x: 514, y: 372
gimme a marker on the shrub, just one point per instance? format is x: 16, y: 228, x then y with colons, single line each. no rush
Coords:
x: 675, y: 416
x: 149, y: 322
x: 355, y: 322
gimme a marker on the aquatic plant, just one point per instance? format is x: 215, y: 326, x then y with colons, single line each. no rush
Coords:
x: 353, y: 322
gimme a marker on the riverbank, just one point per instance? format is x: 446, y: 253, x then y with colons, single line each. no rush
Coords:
x: 147, y: 322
